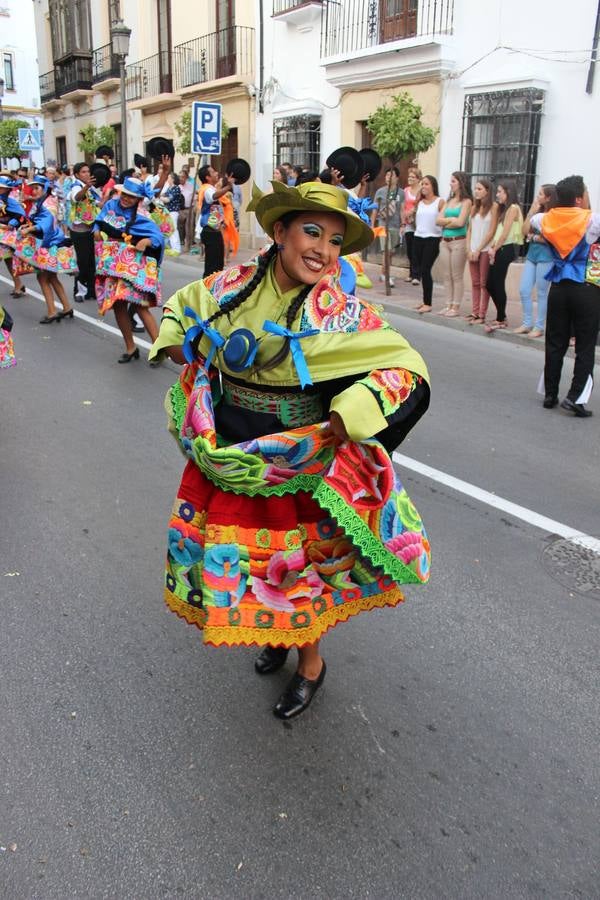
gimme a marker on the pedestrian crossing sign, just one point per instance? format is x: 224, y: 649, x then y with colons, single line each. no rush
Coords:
x: 30, y: 139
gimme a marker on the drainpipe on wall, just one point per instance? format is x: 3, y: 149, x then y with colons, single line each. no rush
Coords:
x: 591, y: 71
x: 261, y: 44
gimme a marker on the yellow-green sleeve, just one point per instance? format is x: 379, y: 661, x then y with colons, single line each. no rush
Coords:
x: 359, y: 411
x: 174, y: 323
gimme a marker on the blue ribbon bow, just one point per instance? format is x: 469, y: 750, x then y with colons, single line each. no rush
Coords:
x: 362, y: 208
x: 297, y: 354
x: 201, y: 328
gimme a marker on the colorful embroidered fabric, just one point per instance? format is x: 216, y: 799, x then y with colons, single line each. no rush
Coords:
x: 123, y: 273
x: 318, y: 531
x: 83, y: 211
x: 7, y: 350
x: 162, y: 218
x: 60, y: 260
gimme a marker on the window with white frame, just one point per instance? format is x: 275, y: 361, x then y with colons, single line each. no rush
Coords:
x: 297, y: 140
x: 9, y: 71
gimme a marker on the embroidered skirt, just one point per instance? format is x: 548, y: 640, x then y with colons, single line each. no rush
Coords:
x: 7, y: 350
x: 60, y: 260
x: 264, y: 570
x: 125, y: 274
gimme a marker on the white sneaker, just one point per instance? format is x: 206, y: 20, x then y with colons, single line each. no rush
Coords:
x: 392, y: 282
x: 382, y: 277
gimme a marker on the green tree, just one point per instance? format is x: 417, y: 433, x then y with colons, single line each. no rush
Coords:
x: 9, y: 138
x: 398, y: 132
x: 92, y: 137
x: 183, y: 127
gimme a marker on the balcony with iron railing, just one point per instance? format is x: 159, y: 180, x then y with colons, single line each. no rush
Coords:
x: 223, y: 54
x: 105, y: 68
x: 353, y: 26
x: 299, y: 13
x: 155, y: 82
x: 47, y: 87
x: 73, y: 76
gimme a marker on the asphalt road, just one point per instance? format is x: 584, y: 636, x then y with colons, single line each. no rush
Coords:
x: 453, y: 750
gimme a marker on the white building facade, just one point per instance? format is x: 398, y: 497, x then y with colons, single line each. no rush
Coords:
x: 509, y: 85
x: 21, y: 98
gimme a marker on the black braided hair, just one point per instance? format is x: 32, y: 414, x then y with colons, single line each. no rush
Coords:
x: 261, y: 268
x: 292, y: 311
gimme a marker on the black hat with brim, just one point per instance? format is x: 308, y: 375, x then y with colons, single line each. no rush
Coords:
x: 100, y: 173
x: 139, y: 160
x: 349, y: 163
x: 371, y: 162
x: 238, y: 169
x: 104, y: 150
x: 159, y: 147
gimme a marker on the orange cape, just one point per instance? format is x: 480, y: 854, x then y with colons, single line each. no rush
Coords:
x: 564, y: 227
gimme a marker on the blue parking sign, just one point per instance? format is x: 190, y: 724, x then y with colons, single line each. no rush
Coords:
x: 206, y: 128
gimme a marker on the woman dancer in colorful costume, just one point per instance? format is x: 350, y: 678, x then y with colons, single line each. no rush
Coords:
x: 43, y: 245
x: 290, y: 517
x: 12, y: 214
x: 128, y: 261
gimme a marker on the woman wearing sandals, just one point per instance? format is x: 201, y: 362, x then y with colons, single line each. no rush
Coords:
x: 43, y: 245
x: 286, y: 522
x: 428, y: 235
x: 508, y: 237
x: 129, y: 251
x: 411, y: 196
x: 482, y: 227
x: 538, y: 262
x: 454, y: 219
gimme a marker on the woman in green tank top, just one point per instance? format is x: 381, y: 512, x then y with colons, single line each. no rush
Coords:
x: 454, y: 219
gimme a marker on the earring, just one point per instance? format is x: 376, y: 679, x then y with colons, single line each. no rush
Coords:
x: 279, y: 247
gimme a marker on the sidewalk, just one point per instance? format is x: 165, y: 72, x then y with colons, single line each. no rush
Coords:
x: 405, y: 297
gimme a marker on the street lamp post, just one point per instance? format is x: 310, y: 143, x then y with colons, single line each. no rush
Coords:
x: 1, y: 110
x: 119, y: 36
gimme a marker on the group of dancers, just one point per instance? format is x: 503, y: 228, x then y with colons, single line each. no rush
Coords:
x: 114, y: 245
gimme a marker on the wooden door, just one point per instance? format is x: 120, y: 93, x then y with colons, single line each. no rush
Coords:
x: 225, y: 38
x: 397, y: 19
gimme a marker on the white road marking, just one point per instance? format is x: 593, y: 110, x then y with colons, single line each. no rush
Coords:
x: 507, y: 506
x: 85, y: 318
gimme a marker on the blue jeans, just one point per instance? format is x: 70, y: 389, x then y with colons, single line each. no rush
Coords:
x: 533, y: 275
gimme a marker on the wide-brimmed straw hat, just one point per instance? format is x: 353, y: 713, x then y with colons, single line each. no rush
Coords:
x: 313, y: 196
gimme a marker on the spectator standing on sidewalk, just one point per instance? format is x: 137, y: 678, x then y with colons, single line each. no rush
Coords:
x: 388, y: 214
x: 428, y: 235
x: 508, y: 237
x: 174, y: 201
x: 411, y: 195
x: 573, y: 233
x: 482, y: 226
x: 187, y: 190
x: 454, y: 219
x: 537, y: 265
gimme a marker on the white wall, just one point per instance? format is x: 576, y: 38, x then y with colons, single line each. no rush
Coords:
x: 502, y: 44
x: 17, y: 36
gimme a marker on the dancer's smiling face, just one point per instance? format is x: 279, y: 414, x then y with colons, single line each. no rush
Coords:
x: 311, y: 246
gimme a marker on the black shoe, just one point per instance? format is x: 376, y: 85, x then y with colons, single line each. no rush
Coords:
x: 65, y: 314
x: 270, y: 659
x: 578, y: 408
x: 47, y: 320
x: 298, y: 695
x: 79, y: 299
x: 550, y: 402
x: 127, y: 357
